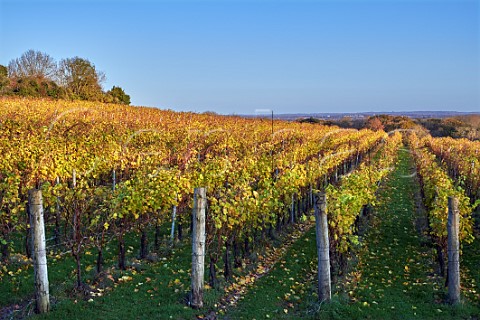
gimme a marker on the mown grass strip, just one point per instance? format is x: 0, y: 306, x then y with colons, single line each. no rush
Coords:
x: 277, y: 294
x: 395, y: 274
x: 393, y: 277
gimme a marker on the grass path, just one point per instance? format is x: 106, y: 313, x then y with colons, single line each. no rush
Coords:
x: 155, y: 292
x: 394, y: 277
x: 395, y: 273
x: 277, y: 294
x: 470, y: 267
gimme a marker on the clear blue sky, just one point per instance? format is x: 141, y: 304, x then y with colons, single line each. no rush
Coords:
x: 289, y: 56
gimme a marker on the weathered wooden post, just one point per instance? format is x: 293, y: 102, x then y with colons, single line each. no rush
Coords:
x: 74, y: 178
x: 198, y: 247
x: 174, y: 216
x: 323, y: 245
x: 114, y: 180
x: 453, y: 251
x: 292, y: 209
x: 310, y: 197
x: 42, y: 296
x: 57, y: 216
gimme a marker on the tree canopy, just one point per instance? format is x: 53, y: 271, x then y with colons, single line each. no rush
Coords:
x: 117, y: 95
x: 34, y: 64
x: 37, y: 74
x: 3, y: 78
x: 81, y: 79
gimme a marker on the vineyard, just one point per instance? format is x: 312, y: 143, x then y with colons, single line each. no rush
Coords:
x: 117, y: 186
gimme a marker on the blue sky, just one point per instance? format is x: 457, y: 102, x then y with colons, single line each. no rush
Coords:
x: 289, y: 56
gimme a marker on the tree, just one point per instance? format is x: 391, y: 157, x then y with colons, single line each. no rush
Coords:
x: 117, y: 95
x: 35, y: 87
x: 3, y: 72
x: 4, y: 81
x: 33, y: 64
x: 80, y: 78
x: 375, y: 124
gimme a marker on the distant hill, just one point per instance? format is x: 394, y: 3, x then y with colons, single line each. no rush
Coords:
x: 362, y: 115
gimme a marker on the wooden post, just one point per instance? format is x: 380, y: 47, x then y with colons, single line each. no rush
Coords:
x: 114, y: 180
x: 292, y: 210
x: 323, y: 246
x: 174, y: 216
x: 74, y: 179
x: 310, y: 204
x: 198, y: 247
x: 57, y: 216
x: 39, y: 251
x: 299, y: 206
x: 77, y: 239
x: 453, y: 251
x: 28, y: 237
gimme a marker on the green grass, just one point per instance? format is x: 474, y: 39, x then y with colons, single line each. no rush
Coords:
x: 396, y: 269
x: 158, y: 291
x: 277, y: 294
x: 155, y: 288
x: 397, y: 278
x: 469, y: 262
x: 393, y: 276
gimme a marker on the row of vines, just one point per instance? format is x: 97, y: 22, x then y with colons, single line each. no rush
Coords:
x: 442, y: 164
x: 108, y: 170
x: 462, y: 160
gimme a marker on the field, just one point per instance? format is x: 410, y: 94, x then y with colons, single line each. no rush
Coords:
x: 118, y: 190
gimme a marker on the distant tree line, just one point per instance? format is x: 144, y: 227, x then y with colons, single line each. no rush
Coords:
x: 375, y: 123
x: 467, y: 126
x: 456, y: 127
x: 37, y: 74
